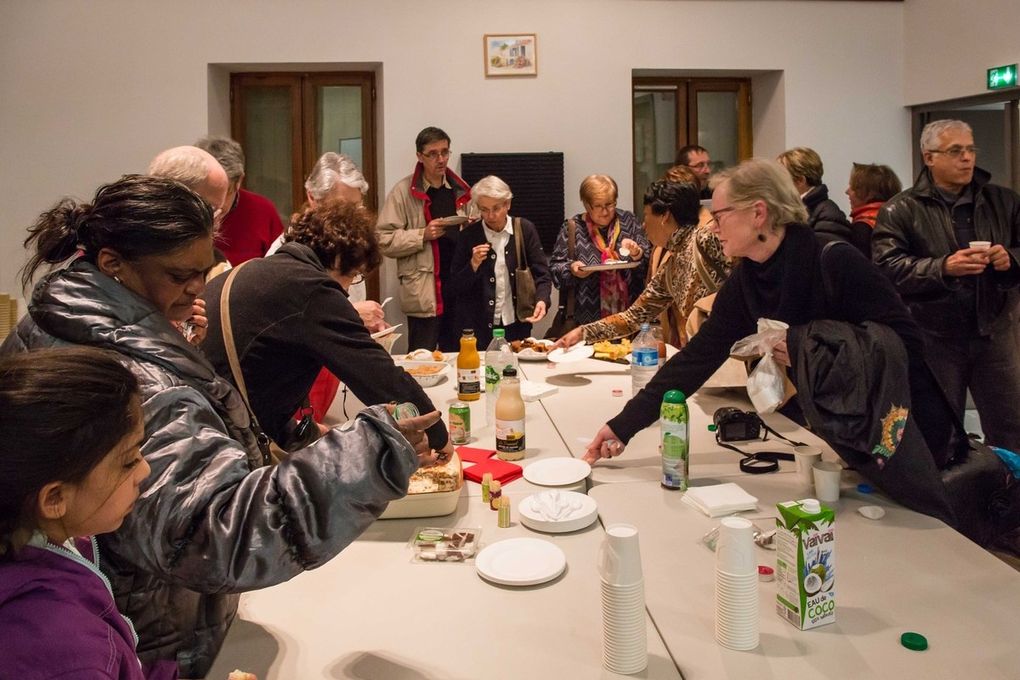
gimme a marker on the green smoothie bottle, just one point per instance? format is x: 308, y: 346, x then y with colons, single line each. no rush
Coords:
x: 673, y: 425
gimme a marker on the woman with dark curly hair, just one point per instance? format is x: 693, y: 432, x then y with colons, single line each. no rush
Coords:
x: 290, y: 317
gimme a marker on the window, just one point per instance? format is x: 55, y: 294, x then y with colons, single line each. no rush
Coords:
x: 671, y: 112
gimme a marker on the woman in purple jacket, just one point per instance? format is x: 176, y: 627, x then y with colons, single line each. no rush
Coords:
x: 70, y: 468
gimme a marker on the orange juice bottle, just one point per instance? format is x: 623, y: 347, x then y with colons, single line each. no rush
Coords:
x: 469, y: 377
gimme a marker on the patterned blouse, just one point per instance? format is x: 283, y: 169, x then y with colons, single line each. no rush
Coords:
x: 676, y: 283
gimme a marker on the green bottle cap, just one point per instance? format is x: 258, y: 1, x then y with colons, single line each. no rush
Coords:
x: 914, y: 641
x: 499, y: 332
x: 712, y: 428
x: 675, y: 397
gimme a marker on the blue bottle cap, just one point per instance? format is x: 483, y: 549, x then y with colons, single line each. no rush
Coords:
x: 865, y: 488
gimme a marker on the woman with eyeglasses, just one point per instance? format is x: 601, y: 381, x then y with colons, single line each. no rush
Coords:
x: 868, y: 406
x: 213, y: 519
x: 602, y: 235
x: 672, y: 210
x: 290, y: 318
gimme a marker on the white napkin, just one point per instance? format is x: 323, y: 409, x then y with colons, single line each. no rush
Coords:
x: 721, y: 499
x: 533, y: 391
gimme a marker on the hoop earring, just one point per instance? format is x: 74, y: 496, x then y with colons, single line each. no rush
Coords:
x: 761, y: 237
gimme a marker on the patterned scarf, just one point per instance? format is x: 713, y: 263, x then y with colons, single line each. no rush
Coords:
x: 613, y: 291
x: 866, y: 213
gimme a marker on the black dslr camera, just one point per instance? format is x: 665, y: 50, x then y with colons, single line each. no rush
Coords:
x: 734, y: 425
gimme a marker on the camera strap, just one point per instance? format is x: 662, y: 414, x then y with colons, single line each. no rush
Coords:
x: 761, y: 462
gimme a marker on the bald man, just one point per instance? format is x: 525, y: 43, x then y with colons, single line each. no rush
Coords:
x: 197, y: 170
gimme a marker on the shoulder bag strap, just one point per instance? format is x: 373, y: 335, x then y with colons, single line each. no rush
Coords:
x: 522, y: 260
x: 228, y: 335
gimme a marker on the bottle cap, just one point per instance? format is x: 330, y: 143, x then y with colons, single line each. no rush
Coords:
x: 509, y: 372
x: 674, y: 397
x: 914, y: 641
x: 766, y: 573
x: 499, y: 332
x: 865, y: 488
x: 712, y: 428
x: 504, y: 502
x: 811, y: 505
x: 617, y: 392
x: 487, y: 478
x: 494, y: 485
x: 468, y: 331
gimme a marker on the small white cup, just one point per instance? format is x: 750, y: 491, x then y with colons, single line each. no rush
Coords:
x: 620, y: 556
x: 827, y: 475
x: 734, y: 553
x: 806, y: 456
x: 980, y: 245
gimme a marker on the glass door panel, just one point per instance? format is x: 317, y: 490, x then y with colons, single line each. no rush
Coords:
x: 338, y: 119
x: 268, y: 145
x: 717, y: 127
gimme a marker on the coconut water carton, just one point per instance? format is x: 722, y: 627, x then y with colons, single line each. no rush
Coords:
x: 806, y: 563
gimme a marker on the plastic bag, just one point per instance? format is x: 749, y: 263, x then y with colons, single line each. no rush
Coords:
x: 765, y: 385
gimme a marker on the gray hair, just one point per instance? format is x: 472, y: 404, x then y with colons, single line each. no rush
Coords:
x: 491, y: 187
x: 933, y: 130
x: 227, y: 152
x: 760, y: 179
x: 186, y: 164
x: 330, y: 169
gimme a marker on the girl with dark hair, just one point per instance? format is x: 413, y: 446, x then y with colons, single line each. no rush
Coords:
x: 70, y: 467
x: 179, y: 560
x: 696, y: 267
x: 290, y: 318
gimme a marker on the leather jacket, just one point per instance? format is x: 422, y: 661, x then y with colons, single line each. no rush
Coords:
x: 914, y: 236
x: 213, y: 519
x: 824, y: 216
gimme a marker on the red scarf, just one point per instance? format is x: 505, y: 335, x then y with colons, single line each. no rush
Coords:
x: 613, y: 291
x: 866, y: 213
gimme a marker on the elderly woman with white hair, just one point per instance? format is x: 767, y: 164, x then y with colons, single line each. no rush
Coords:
x: 489, y: 255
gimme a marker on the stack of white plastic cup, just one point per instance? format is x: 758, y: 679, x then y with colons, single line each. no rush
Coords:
x: 736, y: 586
x: 624, y: 648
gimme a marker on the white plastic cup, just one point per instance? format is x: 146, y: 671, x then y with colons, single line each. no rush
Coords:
x: 734, y: 553
x: 827, y: 475
x: 806, y: 456
x: 980, y: 245
x: 620, y: 556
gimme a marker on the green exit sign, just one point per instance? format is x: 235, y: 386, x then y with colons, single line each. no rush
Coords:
x: 1002, y: 76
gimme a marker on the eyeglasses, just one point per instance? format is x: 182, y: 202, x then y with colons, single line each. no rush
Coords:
x: 956, y: 151
x: 358, y: 278
x: 435, y: 155
x: 721, y: 211
x: 606, y: 207
x: 702, y: 164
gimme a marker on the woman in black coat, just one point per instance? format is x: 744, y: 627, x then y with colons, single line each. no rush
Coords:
x: 485, y: 265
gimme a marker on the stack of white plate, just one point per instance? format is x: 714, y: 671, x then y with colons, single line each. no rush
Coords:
x: 736, y: 586
x: 624, y: 644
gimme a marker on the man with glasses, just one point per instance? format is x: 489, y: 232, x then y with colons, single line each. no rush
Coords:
x: 696, y: 158
x: 250, y: 221
x: 950, y: 244
x: 414, y: 229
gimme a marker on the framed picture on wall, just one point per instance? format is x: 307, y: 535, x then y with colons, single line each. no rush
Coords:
x: 510, y: 55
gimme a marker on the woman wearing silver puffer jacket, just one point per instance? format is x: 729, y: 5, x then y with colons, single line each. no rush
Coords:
x: 213, y: 518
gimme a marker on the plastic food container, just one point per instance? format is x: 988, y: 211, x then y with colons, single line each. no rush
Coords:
x: 425, y: 373
x: 429, y: 504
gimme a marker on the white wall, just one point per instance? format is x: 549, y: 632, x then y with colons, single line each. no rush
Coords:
x: 93, y: 89
x: 949, y: 44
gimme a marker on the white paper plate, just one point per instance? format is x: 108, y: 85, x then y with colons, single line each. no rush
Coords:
x: 575, y: 353
x: 520, y: 562
x: 529, y: 354
x: 610, y: 266
x: 386, y: 331
x: 556, y: 471
x: 453, y: 220
x: 576, y: 520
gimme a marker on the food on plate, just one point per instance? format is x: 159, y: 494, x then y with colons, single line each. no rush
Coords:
x: 612, y: 350
x: 424, y: 355
x: 437, y: 478
x: 241, y: 675
x: 424, y: 369
x: 537, y: 346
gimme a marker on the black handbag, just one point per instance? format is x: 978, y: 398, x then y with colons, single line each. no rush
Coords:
x: 564, y: 321
x: 524, y: 282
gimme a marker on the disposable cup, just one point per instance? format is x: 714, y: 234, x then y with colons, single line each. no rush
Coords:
x: 827, y: 480
x: 806, y: 456
x: 980, y: 245
x: 734, y: 552
x: 620, y: 556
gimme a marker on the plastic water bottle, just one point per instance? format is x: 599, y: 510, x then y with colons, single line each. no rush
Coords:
x: 498, y: 355
x: 644, y: 358
x: 675, y: 433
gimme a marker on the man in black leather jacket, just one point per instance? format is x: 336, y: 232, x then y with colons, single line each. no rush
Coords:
x: 951, y: 246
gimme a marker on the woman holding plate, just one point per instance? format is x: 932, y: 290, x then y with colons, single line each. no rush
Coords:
x: 490, y: 256
x: 604, y: 268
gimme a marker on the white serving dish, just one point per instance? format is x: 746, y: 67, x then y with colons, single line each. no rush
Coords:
x: 578, y: 519
x: 520, y: 562
x: 422, y: 505
x: 431, y: 379
x: 557, y: 471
